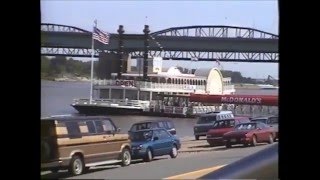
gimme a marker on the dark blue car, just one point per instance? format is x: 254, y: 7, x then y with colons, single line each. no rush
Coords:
x: 146, y: 144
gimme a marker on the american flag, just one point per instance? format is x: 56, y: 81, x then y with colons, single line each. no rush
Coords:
x: 101, y: 36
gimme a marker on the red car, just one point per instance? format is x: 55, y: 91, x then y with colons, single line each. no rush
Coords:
x: 215, y: 135
x: 249, y: 133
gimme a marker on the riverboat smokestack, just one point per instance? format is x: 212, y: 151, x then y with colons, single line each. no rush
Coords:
x: 145, y: 54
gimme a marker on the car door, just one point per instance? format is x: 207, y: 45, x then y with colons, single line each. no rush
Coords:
x: 262, y: 134
x: 157, y: 143
x: 167, y: 141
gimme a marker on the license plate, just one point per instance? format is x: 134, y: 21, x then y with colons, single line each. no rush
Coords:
x: 233, y: 140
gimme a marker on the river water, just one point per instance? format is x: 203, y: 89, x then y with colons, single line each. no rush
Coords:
x: 56, y: 98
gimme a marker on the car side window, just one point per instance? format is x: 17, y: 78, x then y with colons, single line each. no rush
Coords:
x: 161, y: 125
x: 108, y: 127
x: 91, y: 127
x: 164, y: 134
x: 170, y: 125
x: 99, y: 126
x: 73, y: 129
x: 156, y: 134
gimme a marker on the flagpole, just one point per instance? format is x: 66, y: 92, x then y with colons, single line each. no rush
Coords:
x: 92, y: 56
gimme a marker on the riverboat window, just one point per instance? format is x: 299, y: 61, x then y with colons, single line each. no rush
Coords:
x: 169, y: 81
x: 73, y: 129
x: 104, y: 93
x: 162, y: 80
x: 117, y: 93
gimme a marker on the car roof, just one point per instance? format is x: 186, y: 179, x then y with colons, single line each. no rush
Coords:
x: 73, y: 117
x: 150, y: 121
x: 215, y: 113
x: 151, y: 129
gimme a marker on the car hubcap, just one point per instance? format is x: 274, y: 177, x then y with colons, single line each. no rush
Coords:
x: 77, y: 166
x: 126, y: 158
x: 174, y: 151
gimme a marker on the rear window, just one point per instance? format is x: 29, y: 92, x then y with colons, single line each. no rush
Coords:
x: 141, y: 126
x: 259, y: 120
x: 273, y: 120
x: 47, y: 129
x: 206, y: 119
x: 224, y: 124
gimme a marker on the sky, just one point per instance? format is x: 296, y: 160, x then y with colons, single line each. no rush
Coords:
x: 159, y: 15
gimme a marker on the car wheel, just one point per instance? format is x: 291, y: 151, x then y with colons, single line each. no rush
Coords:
x: 174, y: 152
x: 228, y: 144
x: 149, y: 156
x: 211, y: 144
x: 125, y: 157
x: 196, y: 137
x: 270, y: 139
x: 254, y: 140
x: 54, y: 170
x: 76, y: 166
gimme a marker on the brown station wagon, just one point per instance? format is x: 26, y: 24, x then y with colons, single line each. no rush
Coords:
x: 79, y: 142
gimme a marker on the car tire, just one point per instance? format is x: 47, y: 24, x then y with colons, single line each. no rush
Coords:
x: 211, y: 144
x: 228, y: 144
x: 270, y: 139
x: 174, y: 152
x: 125, y: 157
x: 149, y: 155
x: 76, y: 166
x: 254, y: 140
x: 196, y: 137
x: 54, y: 170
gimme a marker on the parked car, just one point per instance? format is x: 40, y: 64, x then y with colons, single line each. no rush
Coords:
x: 219, y: 128
x: 149, y: 124
x: 272, y: 121
x: 149, y: 143
x: 249, y: 133
x: 206, y: 121
x: 79, y: 142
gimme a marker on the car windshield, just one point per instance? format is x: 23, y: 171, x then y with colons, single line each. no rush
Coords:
x: 206, y: 119
x: 141, y: 136
x: 247, y: 126
x: 224, y: 124
x: 259, y: 120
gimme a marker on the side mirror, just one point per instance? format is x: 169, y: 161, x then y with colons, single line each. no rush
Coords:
x: 118, y: 129
x: 271, y: 126
x: 259, y: 128
x: 156, y: 138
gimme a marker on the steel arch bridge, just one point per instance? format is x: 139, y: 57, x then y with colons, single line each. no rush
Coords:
x: 204, y: 43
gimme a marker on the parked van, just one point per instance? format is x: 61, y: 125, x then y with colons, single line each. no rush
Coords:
x: 79, y: 142
x: 206, y: 122
x: 220, y: 127
x: 151, y: 124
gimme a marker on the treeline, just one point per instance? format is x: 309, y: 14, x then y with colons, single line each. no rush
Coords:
x: 236, y: 77
x: 59, y: 66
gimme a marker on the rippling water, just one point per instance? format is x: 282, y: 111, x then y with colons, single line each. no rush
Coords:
x: 56, y: 98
